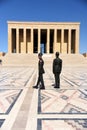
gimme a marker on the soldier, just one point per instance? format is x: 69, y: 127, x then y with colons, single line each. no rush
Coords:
x: 40, y: 72
x: 57, y: 67
x: 0, y: 62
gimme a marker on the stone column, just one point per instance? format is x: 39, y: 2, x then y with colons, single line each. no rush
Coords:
x: 77, y: 41
x: 9, y: 40
x: 48, y: 36
x: 24, y: 40
x: 17, y: 40
x: 69, y: 41
x: 62, y: 40
x: 55, y: 40
x: 39, y: 40
x: 31, y: 46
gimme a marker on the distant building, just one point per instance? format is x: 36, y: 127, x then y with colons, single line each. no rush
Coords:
x: 46, y: 37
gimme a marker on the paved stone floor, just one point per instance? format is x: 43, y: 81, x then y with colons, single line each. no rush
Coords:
x: 25, y: 108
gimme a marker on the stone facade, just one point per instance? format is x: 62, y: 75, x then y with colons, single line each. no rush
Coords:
x: 45, y: 37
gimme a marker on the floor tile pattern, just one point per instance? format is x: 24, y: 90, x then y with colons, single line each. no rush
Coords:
x: 62, y: 124
x: 70, y: 99
x: 63, y: 101
x: 13, y: 81
x: 55, y: 108
x: 15, y: 76
x: 69, y: 80
x: 1, y: 122
x: 8, y: 99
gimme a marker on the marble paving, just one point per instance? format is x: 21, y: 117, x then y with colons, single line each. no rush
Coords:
x: 71, y: 77
x: 1, y: 122
x: 64, y: 108
x: 8, y: 99
x: 60, y: 124
x: 66, y: 101
x: 50, y: 109
x: 13, y: 83
x: 15, y: 77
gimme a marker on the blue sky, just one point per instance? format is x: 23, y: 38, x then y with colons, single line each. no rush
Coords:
x: 43, y: 10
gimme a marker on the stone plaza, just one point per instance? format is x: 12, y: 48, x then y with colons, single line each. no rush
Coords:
x: 25, y: 108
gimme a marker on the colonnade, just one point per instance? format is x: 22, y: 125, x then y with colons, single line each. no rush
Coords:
x: 29, y: 40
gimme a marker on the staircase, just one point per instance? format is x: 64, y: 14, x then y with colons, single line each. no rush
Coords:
x: 19, y: 59
x: 32, y: 59
x: 68, y: 59
x: 73, y: 59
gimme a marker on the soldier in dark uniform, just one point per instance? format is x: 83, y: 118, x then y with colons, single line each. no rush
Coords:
x: 0, y: 61
x: 57, y: 67
x: 40, y: 72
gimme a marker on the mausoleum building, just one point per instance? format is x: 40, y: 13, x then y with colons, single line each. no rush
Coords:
x: 45, y: 37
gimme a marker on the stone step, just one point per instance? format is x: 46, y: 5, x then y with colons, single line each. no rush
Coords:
x: 32, y: 59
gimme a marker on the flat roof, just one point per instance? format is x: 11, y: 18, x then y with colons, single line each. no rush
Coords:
x: 44, y: 23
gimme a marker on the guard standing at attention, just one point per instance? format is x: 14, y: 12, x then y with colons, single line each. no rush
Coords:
x: 57, y: 67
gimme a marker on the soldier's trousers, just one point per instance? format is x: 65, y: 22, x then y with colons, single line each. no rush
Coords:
x: 40, y: 79
x: 57, y: 80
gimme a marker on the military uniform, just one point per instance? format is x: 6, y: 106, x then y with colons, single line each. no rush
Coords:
x: 40, y: 72
x: 57, y: 67
x: 0, y: 61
